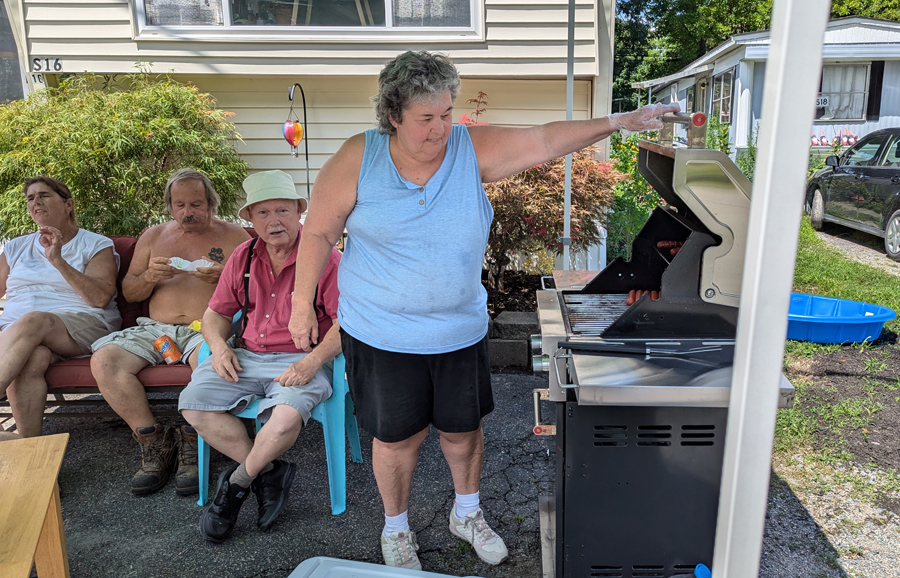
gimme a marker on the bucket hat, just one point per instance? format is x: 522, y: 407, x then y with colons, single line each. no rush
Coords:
x: 268, y: 185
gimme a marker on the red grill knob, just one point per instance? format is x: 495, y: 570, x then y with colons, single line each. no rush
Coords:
x: 699, y: 119
x: 537, y: 430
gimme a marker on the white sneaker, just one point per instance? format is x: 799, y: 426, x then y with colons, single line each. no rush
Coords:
x: 474, y: 530
x: 399, y: 550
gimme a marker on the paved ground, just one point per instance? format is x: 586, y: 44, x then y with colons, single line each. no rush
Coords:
x: 112, y: 533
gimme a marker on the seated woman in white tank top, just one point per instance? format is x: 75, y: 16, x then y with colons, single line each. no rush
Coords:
x: 60, y: 285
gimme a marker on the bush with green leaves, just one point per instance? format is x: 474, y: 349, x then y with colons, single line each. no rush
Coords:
x: 115, y: 150
x: 718, y: 135
x: 529, y: 211
x: 634, y: 198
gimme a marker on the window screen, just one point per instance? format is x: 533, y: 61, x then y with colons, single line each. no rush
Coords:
x: 10, y: 70
x: 443, y: 13
x: 845, y: 86
x: 183, y: 12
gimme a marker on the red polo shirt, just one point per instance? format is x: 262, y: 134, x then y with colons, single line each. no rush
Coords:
x: 270, y: 297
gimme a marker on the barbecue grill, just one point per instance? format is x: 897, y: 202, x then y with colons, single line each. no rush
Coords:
x: 642, y: 381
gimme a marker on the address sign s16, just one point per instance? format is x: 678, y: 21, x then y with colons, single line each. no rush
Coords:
x: 46, y: 65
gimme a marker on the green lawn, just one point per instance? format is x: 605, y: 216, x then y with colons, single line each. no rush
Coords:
x: 823, y: 271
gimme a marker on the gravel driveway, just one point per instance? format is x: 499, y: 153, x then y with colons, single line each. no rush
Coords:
x: 866, y: 249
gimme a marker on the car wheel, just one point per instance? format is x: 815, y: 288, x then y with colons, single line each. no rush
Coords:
x: 892, y: 237
x: 817, y: 211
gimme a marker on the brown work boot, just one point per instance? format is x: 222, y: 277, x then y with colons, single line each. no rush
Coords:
x: 157, y: 459
x: 187, y: 478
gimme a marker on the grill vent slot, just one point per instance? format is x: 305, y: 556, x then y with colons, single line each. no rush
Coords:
x: 654, y: 435
x: 698, y: 435
x: 613, y: 436
x: 606, y: 572
x: 645, y: 571
x: 640, y: 571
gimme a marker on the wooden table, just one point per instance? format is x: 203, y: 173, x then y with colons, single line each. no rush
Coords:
x: 31, y: 524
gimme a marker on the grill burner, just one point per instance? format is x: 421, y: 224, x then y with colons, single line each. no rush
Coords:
x: 591, y: 315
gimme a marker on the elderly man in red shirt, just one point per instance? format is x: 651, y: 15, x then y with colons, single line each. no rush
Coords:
x: 264, y: 364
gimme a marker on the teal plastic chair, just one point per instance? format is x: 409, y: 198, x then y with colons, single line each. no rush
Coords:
x: 336, y: 416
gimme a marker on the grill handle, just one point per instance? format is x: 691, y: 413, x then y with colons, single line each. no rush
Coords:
x: 556, y: 357
x: 696, y: 129
x: 541, y: 429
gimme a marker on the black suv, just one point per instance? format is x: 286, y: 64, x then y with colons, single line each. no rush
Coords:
x: 861, y: 189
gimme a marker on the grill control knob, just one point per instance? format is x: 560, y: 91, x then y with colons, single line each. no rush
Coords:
x: 535, y: 341
x: 540, y: 363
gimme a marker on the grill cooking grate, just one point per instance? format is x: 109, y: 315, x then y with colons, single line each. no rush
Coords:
x: 590, y: 314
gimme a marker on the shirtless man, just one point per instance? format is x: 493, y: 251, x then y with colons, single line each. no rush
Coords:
x: 177, y: 298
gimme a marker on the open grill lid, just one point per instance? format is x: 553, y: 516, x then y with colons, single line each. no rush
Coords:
x: 706, y: 212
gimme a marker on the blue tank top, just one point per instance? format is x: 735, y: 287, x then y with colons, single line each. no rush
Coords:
x: 410, y: 277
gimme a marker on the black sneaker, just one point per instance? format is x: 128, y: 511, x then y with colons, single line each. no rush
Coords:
x: 218, y: 520
x: 271, y: 490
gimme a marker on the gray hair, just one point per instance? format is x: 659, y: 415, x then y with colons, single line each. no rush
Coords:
x: 212, y: 197
x: 412, y: 77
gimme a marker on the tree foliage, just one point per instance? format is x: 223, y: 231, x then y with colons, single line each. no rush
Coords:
x: 529, y: 211
x: 655, y: 38
x: 634, y: 198
x: 115, y: 150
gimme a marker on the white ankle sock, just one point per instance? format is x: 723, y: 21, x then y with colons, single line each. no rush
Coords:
x: 466, y: 504
x: 399, y: 523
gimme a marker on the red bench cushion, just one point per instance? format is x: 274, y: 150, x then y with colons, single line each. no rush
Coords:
x: 76, y: 373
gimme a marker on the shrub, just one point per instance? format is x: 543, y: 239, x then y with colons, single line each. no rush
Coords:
x: 746, y: 161
x: 718, y: 135
x: 634, y: 198
x: 115, y: 150
x: 529, y: 206
x: 529, y: 211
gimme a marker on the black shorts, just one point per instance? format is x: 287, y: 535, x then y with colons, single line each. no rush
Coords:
x: 398, y: 394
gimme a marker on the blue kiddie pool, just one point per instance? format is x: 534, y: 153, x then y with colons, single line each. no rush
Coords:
x: 829, y: 320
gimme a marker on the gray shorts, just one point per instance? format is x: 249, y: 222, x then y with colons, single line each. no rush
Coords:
x: 209, y: 392
x: 139, y: 339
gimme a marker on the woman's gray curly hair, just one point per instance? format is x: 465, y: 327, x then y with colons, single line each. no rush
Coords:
x: 411, y: 77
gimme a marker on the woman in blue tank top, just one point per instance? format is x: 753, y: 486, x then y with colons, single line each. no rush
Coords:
x: 412, y: 310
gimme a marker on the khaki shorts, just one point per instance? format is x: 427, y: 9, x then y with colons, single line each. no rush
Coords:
x: 139, y: 339
x: 83, y: 328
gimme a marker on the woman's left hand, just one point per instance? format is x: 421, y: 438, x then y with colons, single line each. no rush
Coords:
x: 299, y: 373
x: 51, y: 239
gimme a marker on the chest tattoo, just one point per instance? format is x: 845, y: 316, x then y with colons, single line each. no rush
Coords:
x: 217, y: 255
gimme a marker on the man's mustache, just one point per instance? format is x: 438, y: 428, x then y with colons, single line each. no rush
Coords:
x: 190, y: 219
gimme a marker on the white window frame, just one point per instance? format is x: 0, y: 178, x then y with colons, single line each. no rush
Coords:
x: 712, y: 94
x: 865, y: 93
x: 343, y: 34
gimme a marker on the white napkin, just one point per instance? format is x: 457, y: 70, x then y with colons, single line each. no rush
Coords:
x: 185, y: 265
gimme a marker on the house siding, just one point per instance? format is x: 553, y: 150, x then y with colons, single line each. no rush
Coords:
x: 339, y: 107
x: 522, y: 37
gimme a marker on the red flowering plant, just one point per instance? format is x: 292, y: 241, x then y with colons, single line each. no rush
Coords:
x: 480, y: 102
x: 529, y: 211
x: 528, y: 207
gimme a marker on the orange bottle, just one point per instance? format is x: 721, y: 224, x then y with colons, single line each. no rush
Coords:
x: 167, y: 348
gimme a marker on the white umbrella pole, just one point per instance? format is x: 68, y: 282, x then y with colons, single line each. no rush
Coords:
x: 570, y: 98
x: 792, y: 76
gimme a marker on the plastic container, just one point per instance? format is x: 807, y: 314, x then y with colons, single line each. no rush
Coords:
x: 322, y: 567
x: 830, y: 320
x: 701, y: 571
